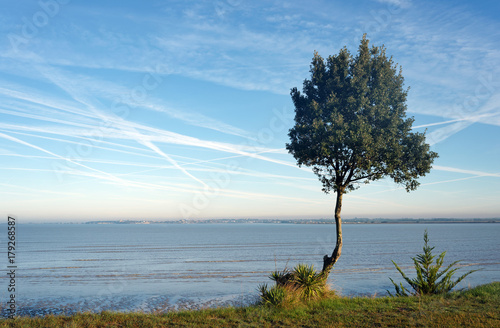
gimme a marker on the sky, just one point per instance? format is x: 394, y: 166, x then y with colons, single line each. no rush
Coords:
x: 159, y: 110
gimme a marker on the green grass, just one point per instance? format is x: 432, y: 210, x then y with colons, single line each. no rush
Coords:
x: 478, y: 307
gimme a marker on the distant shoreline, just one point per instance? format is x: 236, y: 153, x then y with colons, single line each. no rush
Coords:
x: 282, y: 221
x: 301, y: 221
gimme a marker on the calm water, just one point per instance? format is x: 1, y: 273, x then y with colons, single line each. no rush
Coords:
x: 160, y: 267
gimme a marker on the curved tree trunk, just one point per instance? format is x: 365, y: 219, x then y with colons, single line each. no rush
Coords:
x: 329, y: 261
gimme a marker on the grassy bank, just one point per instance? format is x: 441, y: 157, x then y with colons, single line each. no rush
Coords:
x: 478, y: 307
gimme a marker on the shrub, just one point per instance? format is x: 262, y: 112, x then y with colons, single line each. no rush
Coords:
x: 307, y: 281
x: 281, y: 277
x: 274, y: 296
x: 428, y: 275
x: 303, y: 283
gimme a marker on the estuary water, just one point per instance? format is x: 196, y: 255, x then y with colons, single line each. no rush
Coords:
x: 65, y: 268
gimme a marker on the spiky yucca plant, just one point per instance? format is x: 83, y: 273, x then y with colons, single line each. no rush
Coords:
x: 307, y: 281
x: 301, y: 283
x: 274, y: 296
x: 428, y: 275
x: 281, y: 277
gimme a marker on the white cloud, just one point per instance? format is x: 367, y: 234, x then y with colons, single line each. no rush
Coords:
x: 471, y: 172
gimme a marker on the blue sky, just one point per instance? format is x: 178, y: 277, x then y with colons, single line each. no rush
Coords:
x: 180, y: 109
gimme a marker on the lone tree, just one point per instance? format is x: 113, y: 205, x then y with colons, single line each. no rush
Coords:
x: 351, y: 127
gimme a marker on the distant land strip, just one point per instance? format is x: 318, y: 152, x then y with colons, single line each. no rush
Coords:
x: 303, y: 221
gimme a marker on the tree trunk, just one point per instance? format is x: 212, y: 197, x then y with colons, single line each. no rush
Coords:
x: 329, y: 261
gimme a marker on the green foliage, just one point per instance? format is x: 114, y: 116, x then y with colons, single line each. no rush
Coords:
x: 303, y: 283
x: 351, y: 125
x: 274, y: 296
x: 307, y: 281
x: 281, y: 277
x: 428, y: 275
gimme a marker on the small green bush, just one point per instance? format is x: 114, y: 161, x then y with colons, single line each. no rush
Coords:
x: 303, y: 283
x: 274, y: 296
x: 428, y: 275
x: 307, y: 281
x: 281, y: 277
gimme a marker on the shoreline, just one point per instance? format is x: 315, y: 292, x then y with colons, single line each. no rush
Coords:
x: 133, y: 303
x: 282, y: 221
x: 473, y: 307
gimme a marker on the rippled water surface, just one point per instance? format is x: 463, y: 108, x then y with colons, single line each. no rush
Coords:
x: 81, y: 267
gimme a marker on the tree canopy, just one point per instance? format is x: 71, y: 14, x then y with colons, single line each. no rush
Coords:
x: 351, y: 124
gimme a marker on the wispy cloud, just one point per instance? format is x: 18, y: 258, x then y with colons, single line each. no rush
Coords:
x: 464, y: 171
x: 14, y: 139
x: 473, y: 119
x: 487, y: 114
x: 39, y: 191
x: 113, y: 92
x: 116, y: 126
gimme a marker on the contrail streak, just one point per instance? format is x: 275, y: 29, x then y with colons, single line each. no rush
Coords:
x: 109, y: 176
x: 116, y: 120
x: 470, y: 119
x: 472, y: 172
x: 147, y: 143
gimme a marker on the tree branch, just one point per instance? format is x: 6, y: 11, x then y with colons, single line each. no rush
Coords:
x: 353, y: 168
x: 363, y: 177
